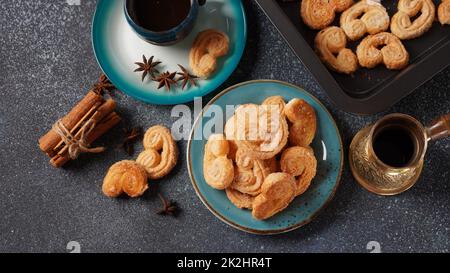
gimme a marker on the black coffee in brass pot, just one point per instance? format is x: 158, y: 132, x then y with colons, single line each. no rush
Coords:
x: 394, y: 145
x: 387, y: 157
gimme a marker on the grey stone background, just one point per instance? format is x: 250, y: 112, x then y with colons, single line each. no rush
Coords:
x: 47, y: 64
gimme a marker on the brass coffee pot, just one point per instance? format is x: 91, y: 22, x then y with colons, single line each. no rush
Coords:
x: 381, y: 178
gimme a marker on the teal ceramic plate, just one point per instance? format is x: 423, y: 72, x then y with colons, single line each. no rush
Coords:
x: 327, y: 147
x: 117, y: 48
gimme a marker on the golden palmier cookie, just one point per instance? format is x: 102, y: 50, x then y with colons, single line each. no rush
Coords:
x: 302, y: 133
x: 366, y: 16
x: 260, y: 131
x: 161, y: 152
x: 331, y: 48
x: 302, y: 164
x: 304, y: 122
x: 218, y: 169
x: 298, y: 109
x: 275, y: 100
x: 249, y: 174
x: 239, y: 199
x: 401, y: 25
x: 125, y: 176
x: 277, y: 192
x: 444, y: 12
x: 319, y: 14
x: 382, y: 48
x: 243, y: 161
x: 209, y: 45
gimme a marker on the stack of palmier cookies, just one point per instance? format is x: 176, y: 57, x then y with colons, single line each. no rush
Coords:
x: 263, y: 161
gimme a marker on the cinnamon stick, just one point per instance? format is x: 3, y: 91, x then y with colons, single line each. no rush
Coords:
x: 102, y: 127
x: 51, y: 139
x: 75, y: 128
x: 101, y: 112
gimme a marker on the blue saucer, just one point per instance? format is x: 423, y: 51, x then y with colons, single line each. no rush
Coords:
x: 117, y: 47
x: 327, y: 147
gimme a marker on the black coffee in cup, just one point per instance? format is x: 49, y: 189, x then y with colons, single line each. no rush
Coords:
x: 158, y: 15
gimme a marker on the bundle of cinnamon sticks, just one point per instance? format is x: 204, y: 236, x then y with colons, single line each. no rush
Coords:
x: 92, y: 110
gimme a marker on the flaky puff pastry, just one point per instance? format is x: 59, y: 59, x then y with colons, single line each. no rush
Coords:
x: 259, y: 130
x: 239, y: 199
x: 304, y: 122
x: 218, y: 169
x: 276, y: 101
x: 125, y: 176
x: 302, y: 164
x: 366, y: 16
x: 401, y: 25
x: 161, y: 152
x: 319, y: 14
x: 331, y: 48
x: 249, y: 174
x: 277, y: 192
x: 209, y: 45
x: 392, y: 53
x: 444, y: 12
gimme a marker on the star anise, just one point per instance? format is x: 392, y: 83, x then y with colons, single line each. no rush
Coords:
x: 169, y: 207
x: 166, y: 79
x: 103, y: 86
x: 130, y: 137
x: 186, y: 77
x: 147, y: 67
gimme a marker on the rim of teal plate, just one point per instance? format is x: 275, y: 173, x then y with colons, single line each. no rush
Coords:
x: 122, y: 85
x: 236, y: 225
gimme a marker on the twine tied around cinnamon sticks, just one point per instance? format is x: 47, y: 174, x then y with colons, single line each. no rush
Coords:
x: 77, y: 146
x: 72, y: 135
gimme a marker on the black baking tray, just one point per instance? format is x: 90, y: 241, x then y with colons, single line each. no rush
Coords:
x: 367, y: 91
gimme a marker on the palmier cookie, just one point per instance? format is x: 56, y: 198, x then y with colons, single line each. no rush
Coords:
x: 209, y: 45
x: 401, y: 25
x: 366, y: 16
x: 161, y: 152
x: 304, y: 122
x: 239, y: 199
x: 302, y: 164
x: 125, y: 176
x: 218, y: 169
x: 392, y: 53
x: 444, y: 12
x: 249, y: 174
x: 331, y: 48
x: 276, y: 101
x: 318, y: 14
x: 260, y: 131
x: 277, y: 192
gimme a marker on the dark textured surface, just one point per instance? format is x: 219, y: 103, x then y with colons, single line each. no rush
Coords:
x: 47, y: 64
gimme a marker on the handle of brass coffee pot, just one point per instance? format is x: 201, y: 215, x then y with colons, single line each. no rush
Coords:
x: 439, y: 128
